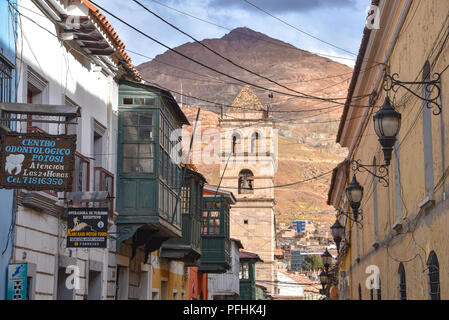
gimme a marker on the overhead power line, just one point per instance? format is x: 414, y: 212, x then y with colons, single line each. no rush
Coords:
x: 285, y: 45
x: 287, y: 184
x: 299, y: 30
x: 330, y: 100
x: 223, y: 57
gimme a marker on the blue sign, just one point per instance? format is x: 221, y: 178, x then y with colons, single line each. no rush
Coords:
x: 17, y: 281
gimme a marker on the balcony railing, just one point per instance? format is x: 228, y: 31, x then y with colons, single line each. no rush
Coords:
x: 104, y: 181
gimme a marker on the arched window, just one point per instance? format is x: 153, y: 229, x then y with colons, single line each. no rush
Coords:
x: 434, y: 276
x: 246, y: 182
x: 402, y: 286
x: 255, y: 143
x: 235, y: 142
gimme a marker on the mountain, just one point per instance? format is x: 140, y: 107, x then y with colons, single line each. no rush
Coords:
x: 307, y: 126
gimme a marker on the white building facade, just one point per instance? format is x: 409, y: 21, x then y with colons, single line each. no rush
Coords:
x: 226, y: 285
x: 58, y: 64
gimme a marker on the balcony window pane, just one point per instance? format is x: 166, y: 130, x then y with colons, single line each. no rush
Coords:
x: 130, y: 133
x: 127, y: 100
x: 130, y: 150
x: 150, y: 101
x: 146, y: 165
x: 145, y: 133
x: 130, y: 118
x: 130, y: 165
x: 140, y: 101
x: 146, y: 119
x: 146, y: 151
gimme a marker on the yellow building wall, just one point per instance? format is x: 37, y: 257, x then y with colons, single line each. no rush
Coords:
x: 423, y: 230
x: 174, y: 273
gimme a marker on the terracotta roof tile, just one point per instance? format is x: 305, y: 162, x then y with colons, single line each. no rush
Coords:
x: 114, y: 37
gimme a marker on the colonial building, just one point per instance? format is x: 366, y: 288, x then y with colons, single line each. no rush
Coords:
x: 63, y: 74
x: 149, y: 203
x: 226, y: 285
x: 8, y: 29
x: 248, y: 161
x: 400, y: 237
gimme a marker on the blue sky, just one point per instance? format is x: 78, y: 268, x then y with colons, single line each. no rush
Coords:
x: 339, y: 22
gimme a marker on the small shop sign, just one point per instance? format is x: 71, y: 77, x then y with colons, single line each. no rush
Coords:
x: 87, y: 227
x: 17, y: 281
x: 37, y: 161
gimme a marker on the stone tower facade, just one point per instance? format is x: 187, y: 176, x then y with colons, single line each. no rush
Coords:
x: 249, y: 162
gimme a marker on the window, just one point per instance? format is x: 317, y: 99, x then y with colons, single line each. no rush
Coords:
x: 244, y: 271
x: 402, y: 286
x: 75, y: 127
x: 246, y: 180
x: 211, y: 222
x: 104, y: 181
x: 63, y: 292
x: 211, y: 218
x: 175, y: 295
x: 235, y: 142
x: 139, y: 101
x: 138, y: 147
x: 5, y: 81
x: 185, y: 200
x: 95, y: 285
x: 360, y: 292
x: 433, y: 268
x: 81, y: 174
x: 164, y: 290
x: 255, y: 143
x: 121, y: 287
x: 37, y: 93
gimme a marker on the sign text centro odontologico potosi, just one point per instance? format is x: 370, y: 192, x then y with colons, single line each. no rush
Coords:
x: 37, y: 161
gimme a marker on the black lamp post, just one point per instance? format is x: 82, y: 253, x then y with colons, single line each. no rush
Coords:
x: 354, y: 192
x: 337, y: 231
x: 326, y: 259
x: 323, y: 279
x: 387, y: 123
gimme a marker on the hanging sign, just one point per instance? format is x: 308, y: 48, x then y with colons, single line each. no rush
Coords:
x: 37, y: 161
x: 87, y: 227
x: 17, y: 281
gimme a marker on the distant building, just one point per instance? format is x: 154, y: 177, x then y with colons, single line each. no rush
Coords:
x: 288, y: 288
x: 299, y: 225
x: 297, y: 258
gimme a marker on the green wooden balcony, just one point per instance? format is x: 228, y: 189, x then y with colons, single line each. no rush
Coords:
x: 216, y: 244
x: 148, y: 176
x: 188, y: 248
x: 247, y: 282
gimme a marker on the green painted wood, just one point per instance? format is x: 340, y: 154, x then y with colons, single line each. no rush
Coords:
x: 247, y: 287
x: 216, y: 246
x: 145, y: 192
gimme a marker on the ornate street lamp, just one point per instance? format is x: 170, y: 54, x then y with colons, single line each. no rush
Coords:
x: 326, y: 259
x: 354, y: 192
x: 387, y: 123
x: 337, y: 231
x: 323, y: 279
